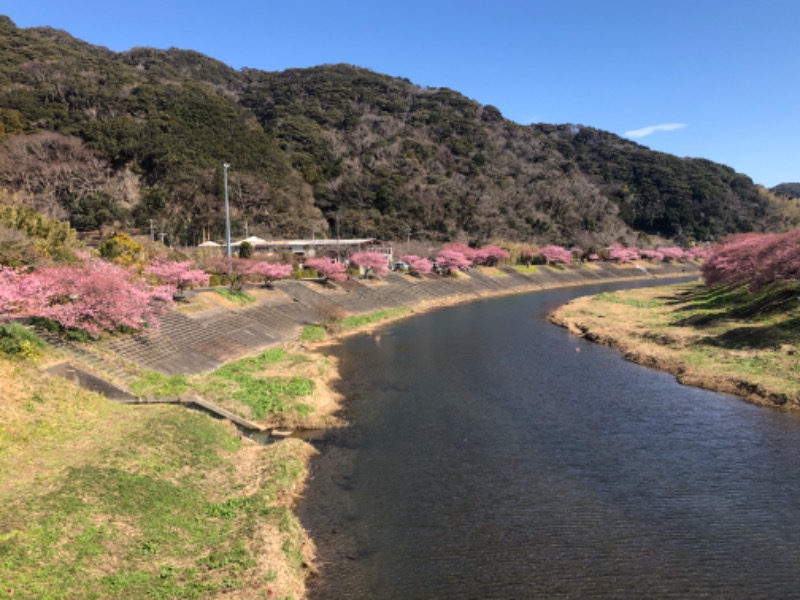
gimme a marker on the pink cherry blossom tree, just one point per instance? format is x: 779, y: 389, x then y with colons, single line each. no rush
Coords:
x: 21, y: 294
x: 699, y: 252
x: 270, y: 272
x: 233, y: 269
x: 556, y: 254
x: 652, y: 255
x: 98, y: 297
x: 450, y: 260
x: 490, y: 255
x: 463, y: 249
x: 181, y: 275
x: 673, y: 253
x: 753, y: 259
x: 329, y: 269
x: 417, y: 265
x: 620, y: 253
x: 373, y: 263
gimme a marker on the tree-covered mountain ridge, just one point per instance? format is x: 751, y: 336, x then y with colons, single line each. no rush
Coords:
x: 139, y: 138
x: 788, y: 189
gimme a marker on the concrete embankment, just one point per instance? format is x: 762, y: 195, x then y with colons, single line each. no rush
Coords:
x: 196, y: 341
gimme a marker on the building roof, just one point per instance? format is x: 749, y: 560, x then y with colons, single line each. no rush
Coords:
x: 300, y: 242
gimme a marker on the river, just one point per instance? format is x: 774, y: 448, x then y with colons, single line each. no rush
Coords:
x: 493, y: 455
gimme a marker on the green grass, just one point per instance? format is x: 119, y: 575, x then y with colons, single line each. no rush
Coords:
x: 313, y: 333
x: 154, y: 384
x: 529, y: 270
x: 264, y: 395
x: 138, y: 521
x: 242, y: 381
x: 374, y: 317
x: 702, y: 306
x: 634, y: 302
x: 238, y: 296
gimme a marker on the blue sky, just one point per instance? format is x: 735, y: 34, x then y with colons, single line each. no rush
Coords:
x: 717, y: 79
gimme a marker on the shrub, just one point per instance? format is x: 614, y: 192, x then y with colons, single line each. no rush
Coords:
x: 16, y: 340
x: 245, y: 250
x: 328, y: 315
x: 122, y: 249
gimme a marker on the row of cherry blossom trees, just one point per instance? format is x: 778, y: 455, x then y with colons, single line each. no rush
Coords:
x: 461, y: 256
x: 98, y: 296
x: 754, y: 259
x: 620, y: 253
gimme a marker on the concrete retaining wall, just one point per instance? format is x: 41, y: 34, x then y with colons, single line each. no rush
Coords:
x: 202, y: 341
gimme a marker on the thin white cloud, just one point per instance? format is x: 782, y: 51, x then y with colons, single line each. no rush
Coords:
x: 644, y: 131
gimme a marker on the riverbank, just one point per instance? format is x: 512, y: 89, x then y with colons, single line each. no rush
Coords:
x: 731, y: 341
x: 107, y: 500
x: 112, y: 500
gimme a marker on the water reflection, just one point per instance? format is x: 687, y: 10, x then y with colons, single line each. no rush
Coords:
x: 490, y: 459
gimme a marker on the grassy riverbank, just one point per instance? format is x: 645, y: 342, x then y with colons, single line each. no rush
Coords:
x: 732, y: 341
x: 102, y: 500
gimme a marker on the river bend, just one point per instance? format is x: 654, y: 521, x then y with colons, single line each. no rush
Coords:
x: 493, y: 455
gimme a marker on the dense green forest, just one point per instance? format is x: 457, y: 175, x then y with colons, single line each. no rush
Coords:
x: 139, y: 137
x: 788, y: 189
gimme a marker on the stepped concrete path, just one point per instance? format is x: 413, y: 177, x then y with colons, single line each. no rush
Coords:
x: 194, y: 342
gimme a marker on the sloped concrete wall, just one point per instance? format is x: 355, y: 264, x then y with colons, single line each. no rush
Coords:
x: 194, y: 343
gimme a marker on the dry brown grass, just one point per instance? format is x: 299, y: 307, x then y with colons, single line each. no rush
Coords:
x: 664, y: 328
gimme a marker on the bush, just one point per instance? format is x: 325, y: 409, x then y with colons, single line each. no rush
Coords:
x: 16, y: 340
x: 245, y: 250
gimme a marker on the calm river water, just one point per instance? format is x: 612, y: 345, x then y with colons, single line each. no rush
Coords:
x: 495, y: 456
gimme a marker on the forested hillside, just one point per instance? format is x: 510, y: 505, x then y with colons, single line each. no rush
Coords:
x: 788, y: 189
x: 100, y: 137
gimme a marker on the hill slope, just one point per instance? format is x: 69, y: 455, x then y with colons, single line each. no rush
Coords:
x: 788, y: 189
x: 99, y: 136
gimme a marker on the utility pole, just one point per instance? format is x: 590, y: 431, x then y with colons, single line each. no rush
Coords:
x: 225, y: 168
x: 152, y: 231
x: 338, y: 236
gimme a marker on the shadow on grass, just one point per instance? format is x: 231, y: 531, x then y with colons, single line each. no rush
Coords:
x: 758, y: 338
x: 711, y: 305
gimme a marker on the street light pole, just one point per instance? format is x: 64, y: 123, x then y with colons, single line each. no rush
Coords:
x: 225, y: 168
